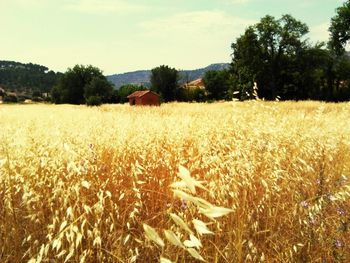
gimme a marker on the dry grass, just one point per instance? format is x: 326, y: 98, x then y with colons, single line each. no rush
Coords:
x: 84, y: 184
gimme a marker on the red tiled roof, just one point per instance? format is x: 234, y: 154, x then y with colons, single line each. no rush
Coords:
x: 197, y: 82
x: 140, y: 93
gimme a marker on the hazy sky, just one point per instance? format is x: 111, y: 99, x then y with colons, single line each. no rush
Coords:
x: 119, y: 35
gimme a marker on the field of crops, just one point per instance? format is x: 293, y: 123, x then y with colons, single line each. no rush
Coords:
x: 221, y: 182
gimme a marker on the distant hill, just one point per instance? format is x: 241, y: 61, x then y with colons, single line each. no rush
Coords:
x: 135, y: 77
x: 19, y: 77
x: 143, y: 76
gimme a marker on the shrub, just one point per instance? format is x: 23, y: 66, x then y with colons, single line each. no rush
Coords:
x: 37, y: 99
x: 11, y: 99
x: 94, y: 101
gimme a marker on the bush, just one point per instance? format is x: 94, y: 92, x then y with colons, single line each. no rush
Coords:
x: 11, y: 99
x: 94, y: 101
x: 125, y: 90
x: 191, y: 94
x: 37, y: 99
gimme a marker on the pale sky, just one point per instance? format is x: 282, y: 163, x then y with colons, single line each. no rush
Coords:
x: 120, y: 36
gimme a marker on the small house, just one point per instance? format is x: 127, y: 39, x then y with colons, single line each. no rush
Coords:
x: 144, y: 97
x: 197, y: 83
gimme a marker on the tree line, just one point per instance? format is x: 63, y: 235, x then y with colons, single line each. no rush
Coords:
x: 276, y: 55
x: 272, y: 59
x: 27, y: 80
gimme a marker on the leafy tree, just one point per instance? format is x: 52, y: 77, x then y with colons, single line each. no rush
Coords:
x: 99, y: 87
x: 338, y: 73
x: 164, y: 80
x: 190, y: 94
x: 125, y: 90
x: 94, y: 101
x: 56, y: 95
x: 307, y: 74
x: 247, y: 62
x: 264, y: 53
x: 340, y: 29
x: 36, y: 93
x: 11, y: 98
x: 77, y: 84
x: 217, y: 83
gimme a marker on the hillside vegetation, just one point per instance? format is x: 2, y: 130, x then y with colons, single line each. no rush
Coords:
x: 223, y: 182
x: 142, y: 77
x: 26, y: 78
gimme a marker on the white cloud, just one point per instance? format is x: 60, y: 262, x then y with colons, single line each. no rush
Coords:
x: 319, y: 32
x: 103, y: 6
x: 206, y: 24
x: 192, y: 38
x: 29, y: 3
x: 236, y: 1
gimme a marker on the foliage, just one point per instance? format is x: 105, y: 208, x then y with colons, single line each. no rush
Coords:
x: 265, y: 52
x: 142, y: 77
x: 217, y: 84
x: 191, y: 94
x: 164, y: 80
x: 94, y: 101
x: 37, y: 99
x: 26, y: 77
x: 125, y: 90
x: 99, y: 87
x: 36, y: 93
x: 68, y: 194
x: 274, y: 55
x: 79, y: 83
x: 10, y: 98
x: 340, y: 29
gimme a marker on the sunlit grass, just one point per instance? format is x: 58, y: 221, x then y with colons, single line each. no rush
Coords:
x: 144, y: 184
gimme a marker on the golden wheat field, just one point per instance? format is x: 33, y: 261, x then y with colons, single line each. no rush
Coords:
x: 222, y: 182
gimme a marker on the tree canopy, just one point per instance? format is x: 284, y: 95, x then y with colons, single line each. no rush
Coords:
x: 164, y: 80
x: 15, y: 76
x: 276, y: 55
x: 217, y: 84
x: 272, y: 59
x: 125, y: 90
x: 340, y: 29
x: 81, y: 82
x: 265, y: 54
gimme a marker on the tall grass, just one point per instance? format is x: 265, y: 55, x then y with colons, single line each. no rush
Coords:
x: 225, y: 182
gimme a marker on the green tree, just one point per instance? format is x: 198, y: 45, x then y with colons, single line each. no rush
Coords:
x: 217, y: 83
x: 338, y: 74
x: 190, y: 94
x: 164, y: 80
x: 11, y: 98
x: 94, y: 101
x: 340, y: 29
x: 125, y: 90
x: 265, y: 52
x: 56, y: 95
x: 78, y: 83
x: 36, y: 93
x: 99, y: 87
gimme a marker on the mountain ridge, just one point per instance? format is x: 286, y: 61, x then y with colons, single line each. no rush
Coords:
x: 142, y: 77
